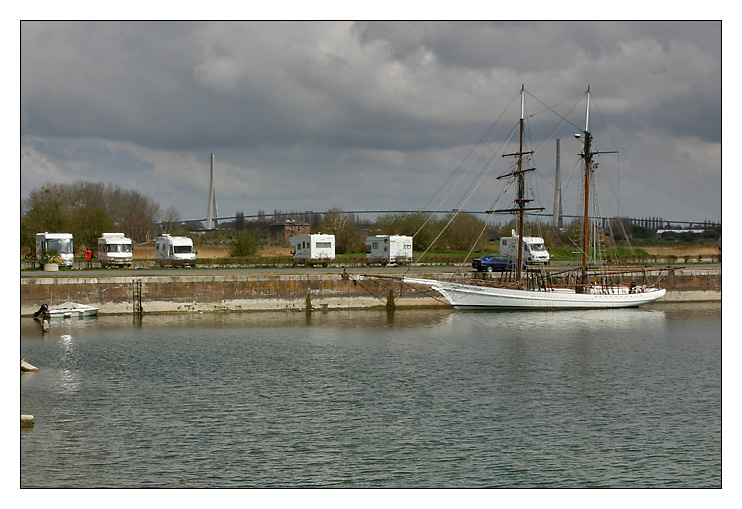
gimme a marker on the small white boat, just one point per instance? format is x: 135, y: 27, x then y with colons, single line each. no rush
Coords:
x: 71, y: 309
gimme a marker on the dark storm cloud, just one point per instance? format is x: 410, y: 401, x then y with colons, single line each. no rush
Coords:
x: 351, y: 100
x: 180, y: 85
x: 683, y: 117
x: 544, y: 48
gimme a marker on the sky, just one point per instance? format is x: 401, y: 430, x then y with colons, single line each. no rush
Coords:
x: 367, y: 115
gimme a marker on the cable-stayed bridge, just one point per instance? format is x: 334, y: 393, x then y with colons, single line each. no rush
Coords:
x: 654, y: 223
x: 557, y: 219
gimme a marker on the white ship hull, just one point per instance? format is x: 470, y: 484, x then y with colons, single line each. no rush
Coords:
x: 463, y: 296
x: 70, y: 310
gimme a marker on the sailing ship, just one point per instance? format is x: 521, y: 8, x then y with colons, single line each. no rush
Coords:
x: 586, y: 287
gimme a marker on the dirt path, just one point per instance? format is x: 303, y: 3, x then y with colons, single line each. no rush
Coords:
x: 682, y: 250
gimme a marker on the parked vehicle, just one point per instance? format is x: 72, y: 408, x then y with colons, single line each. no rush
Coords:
x: 534, y: 251
x: 174, y: 251
x: 54, y: 243
x: 493, y: 263
x: 384, y: 249
x: 114, y: 250
x: 313, y: 249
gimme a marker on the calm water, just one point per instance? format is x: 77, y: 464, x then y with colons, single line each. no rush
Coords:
x: 625, y: 398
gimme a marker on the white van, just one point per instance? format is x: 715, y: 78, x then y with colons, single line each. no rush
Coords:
x: 534, y: 251
x: 114, y: 250
x: 313, y: 249
x: 174, y: 251
x: 59, y: 243
x: 386, y: 249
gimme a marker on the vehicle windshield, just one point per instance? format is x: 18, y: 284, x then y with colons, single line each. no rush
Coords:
x: 59, y: 245
x: 538, y: 247
x: 118, y: 248
x: 182, y: 249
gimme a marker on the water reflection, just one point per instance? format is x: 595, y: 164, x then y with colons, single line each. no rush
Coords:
x: 33, y: 327
x: 68, y: 381
x: 526, y: 320
x: 263, y: 319
x: 399, y: 318
x: 68, y: 378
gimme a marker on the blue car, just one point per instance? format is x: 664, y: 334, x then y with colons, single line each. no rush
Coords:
x: 492, y: 263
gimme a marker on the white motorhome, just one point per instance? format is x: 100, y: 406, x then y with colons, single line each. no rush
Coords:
x: 174, y: 250
x: 313, y: 249
x: 59, y: 243
x: 114, y: 249
x: 386, y: 249
x: 534, y: 251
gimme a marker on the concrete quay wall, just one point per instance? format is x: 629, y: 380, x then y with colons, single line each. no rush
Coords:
x: 263, y: 292
x: 206, y: 293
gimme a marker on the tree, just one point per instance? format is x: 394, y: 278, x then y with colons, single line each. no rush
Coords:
x: 45, y: 210
x: 193, y: 226
x: 86, y: 210
x: 245, y: 244
x: 88, y: 224
x: 88, y: 194
x: 348, y: 239
x: 170, y: 219
x: 134, y: 213
x: 48, y: 207
x: 465, y: 231
x: 620, y: 227
x: 422, y: 226
x: 239, y: 221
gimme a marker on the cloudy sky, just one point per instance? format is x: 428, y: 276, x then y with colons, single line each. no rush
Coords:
x: 359, y: 116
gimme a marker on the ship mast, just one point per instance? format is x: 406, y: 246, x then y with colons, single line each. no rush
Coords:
x: 588, y: 157
x: 521, y: 184
x: 587, y: 154
x: 518, y: 173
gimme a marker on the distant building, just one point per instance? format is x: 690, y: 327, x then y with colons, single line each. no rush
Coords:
x: 679, y: 230
x: 282, y: 231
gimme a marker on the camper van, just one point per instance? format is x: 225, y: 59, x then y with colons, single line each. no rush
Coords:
x: 174, y: 251
x: 534, y: 251
x: 384, y: 249
x: 59, y: 243
x: 114, y: 250
x: 313, y: 249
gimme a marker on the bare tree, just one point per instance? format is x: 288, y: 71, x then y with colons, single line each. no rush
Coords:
x: 348, y: 239
x: 170, y: 219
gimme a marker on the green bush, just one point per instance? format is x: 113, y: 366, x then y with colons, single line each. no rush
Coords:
x: 245, y: 244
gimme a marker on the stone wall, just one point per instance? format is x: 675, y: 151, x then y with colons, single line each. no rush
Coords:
x: 177, y: 293
x: 214, y: 293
